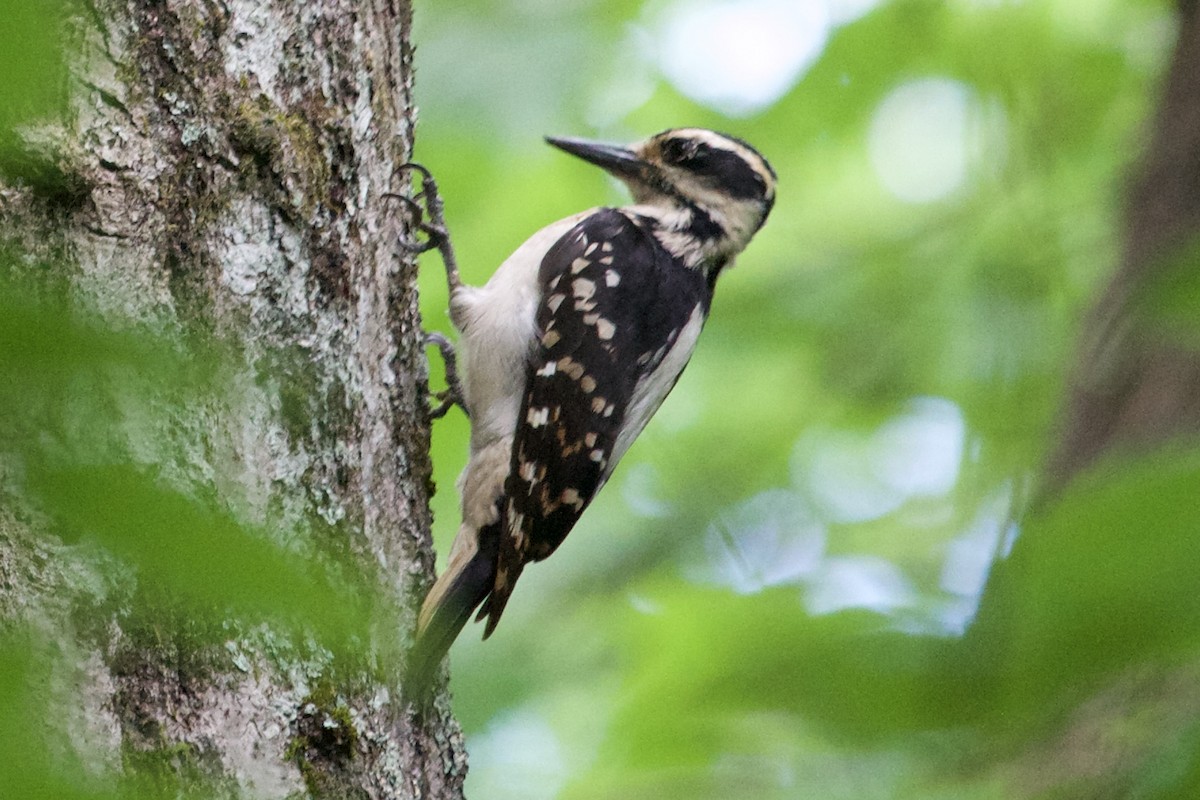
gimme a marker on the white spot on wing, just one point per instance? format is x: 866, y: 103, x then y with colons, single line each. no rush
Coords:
x: 571, y: 367
x: 611, y: 278
x: 571, y: 497
x: 583, y: 289
x: 537, y: 417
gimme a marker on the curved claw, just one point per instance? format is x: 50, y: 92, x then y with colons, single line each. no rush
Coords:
x: 448, y: 401
x: 415, y: 167
x: 428, y: 188
x: 430, y: 219
x: 413, y: 206
x: 413, y: 247
x: 428, y: 185
x: 435, y: 233
x: 452, y: 395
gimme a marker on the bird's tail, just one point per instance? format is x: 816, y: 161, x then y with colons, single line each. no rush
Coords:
x: 467, y: 581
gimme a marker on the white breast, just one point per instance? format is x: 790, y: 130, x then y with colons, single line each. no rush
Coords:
x: 653, y: 388
x: 498, y: 322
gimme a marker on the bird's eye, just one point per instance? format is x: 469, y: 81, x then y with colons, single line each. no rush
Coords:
x: 684, y: 151
x: 674, y: 151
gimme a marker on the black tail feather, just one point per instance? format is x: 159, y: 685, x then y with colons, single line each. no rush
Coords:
x: 468, y: 589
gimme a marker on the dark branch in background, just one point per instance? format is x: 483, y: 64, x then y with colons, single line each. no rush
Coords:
x: 1098, y: 592
x: 1137, y: 383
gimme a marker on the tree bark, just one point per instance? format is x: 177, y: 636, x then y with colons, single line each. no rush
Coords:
x: 227, y: 163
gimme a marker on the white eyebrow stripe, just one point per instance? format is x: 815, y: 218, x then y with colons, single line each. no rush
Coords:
x: 714, y: 139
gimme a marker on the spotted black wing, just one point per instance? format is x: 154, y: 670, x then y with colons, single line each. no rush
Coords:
x: 611, y: 299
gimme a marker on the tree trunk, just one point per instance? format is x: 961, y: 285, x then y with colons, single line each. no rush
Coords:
x: 222, y: 167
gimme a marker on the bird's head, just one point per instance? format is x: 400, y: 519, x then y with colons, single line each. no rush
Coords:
x: 718, y: 188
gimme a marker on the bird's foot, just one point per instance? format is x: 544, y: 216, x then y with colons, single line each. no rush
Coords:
x: 428, y: 214
x: 452, y: 395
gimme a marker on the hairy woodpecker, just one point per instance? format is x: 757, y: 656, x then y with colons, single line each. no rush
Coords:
x: 572, y: 346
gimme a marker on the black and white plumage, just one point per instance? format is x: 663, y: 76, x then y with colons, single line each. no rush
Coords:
x: 572, y: 346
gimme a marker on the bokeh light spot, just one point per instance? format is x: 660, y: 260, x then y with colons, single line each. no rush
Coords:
x: 856, y: 477
x: 859, y: 582
x: 926, y: 135
x: 740, y: 56
x: 518, y: 756
x: 770, y: 540
x: 843, y: 12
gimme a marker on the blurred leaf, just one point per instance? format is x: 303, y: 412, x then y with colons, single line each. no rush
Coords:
x: 33, y: 90
x: 197, y: 552
x: 68, y: 390
x: 37, y: 766
x: 32, y: 70
x: 1102, y: 581
x: 27, y: 769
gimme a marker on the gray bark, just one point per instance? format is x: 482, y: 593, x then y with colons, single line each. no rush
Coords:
x: 227, y: 160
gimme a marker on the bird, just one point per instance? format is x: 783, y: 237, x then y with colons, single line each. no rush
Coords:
x: 570, y: 348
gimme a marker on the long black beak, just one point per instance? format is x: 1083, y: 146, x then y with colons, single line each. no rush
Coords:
x: 615, y: 159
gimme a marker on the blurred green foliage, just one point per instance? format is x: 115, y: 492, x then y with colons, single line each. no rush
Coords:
x: 74, y: 395
x: 33, y: 89
x: 96, y: 456
x: 107, y: 512
x: 769, y: 597
x: 31, y: 61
